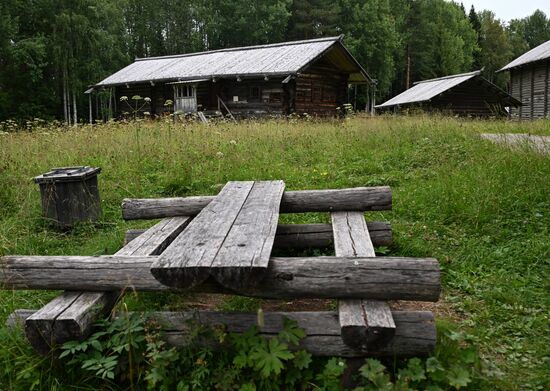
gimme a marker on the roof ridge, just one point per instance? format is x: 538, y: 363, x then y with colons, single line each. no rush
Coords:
x: 474, y: 73
x: 288, y: 43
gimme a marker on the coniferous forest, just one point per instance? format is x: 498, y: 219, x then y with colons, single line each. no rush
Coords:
x: 52, y: 50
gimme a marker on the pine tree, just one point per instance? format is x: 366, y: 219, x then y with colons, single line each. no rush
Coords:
x: 476, y: 25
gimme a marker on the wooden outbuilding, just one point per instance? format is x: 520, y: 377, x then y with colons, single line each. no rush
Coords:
x: 466, y: 94
x: 310, y: 76
x: 530, y: 83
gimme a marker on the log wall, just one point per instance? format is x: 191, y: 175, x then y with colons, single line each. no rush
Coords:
x: 471, y: 98
x: 531, y: 86
x: 320, y: 89
x: 255, y: 98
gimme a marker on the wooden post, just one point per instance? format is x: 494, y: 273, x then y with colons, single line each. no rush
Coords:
x: 90, y: 107
x: 546, y: 90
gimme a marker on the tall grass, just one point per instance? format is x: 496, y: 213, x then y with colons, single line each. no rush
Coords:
x: 481, y: 209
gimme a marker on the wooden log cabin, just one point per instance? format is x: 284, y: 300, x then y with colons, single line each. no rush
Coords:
x: 467, y: 94
x: 310, y: 76
x: 530, y: 83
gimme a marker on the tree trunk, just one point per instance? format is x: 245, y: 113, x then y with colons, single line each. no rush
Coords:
x: 75, y: 116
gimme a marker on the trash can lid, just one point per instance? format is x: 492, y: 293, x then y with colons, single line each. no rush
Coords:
x: 67, y: 174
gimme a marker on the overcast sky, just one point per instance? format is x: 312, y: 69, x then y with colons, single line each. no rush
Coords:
x: 508, y: 9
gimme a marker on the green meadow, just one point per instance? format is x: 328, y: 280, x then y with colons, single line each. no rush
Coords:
x: 481, y: 209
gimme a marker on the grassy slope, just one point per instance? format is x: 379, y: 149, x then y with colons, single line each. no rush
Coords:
x: 482, y: 210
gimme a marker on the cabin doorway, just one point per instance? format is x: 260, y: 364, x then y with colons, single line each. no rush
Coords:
x: 185, y: 98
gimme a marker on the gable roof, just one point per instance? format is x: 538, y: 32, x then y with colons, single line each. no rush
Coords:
x: 541, y: 52
x: 280, y: 59
x: 426, y: 90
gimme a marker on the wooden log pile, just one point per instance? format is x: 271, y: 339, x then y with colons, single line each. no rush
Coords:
x: 223, y: 245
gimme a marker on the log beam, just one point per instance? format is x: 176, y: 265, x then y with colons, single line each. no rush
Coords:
x: 354, y: 199
x: 303, y: 236
x: 381, y: 278
x: 415, y: 333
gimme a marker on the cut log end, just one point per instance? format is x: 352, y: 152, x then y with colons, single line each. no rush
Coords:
x: 180, y: 278
x: 239, y: 278
x: 367, y: 339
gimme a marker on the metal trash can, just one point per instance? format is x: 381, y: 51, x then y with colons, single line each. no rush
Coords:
x: 70, y: 195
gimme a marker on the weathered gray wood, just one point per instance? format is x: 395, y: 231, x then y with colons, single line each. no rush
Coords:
x: 187, y: 260
x: 71, y: 315
x: 18, y: 317
x: 415, y: 330
x: 381, y: 278
x: 354, y: 199
x: 243, y: 258
x: 68, y: 316
x: 154, y: 240
x: 302, y: 236
x: 364, y: 323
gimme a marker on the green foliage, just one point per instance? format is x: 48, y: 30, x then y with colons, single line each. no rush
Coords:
x: 480, y: 209
x: 51, y: 51
x: 364, y: 20
x: 114, y: 351
x: 455, y: 366
x: 130, y: 352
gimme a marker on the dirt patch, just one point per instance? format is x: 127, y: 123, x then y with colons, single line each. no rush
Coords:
x: 441, y: 309
x: 211, y: 302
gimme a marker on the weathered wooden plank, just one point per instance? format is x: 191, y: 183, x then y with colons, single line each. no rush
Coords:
x: 381, y: 278
x: 154, y: 240
x: 302, y: 236
x: 68, y: 316
x: 354, y: 199
x: 187, y: 260
x: 243, y: 258
x: 415, y: 333
x: 71, y: 315
x: 364, y: 323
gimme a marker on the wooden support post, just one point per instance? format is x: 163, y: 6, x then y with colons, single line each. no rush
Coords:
x: 304, y: 236
x: 415, y: 330
x: 380, y: 278
x: 71, y: 315
x: 364, y: 323
x: 355, y: 199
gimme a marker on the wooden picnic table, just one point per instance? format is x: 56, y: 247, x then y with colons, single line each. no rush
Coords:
x: 224, y: 244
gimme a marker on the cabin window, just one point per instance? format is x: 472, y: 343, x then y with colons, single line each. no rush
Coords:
x: 255, y: 93
x: 184, y: 91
